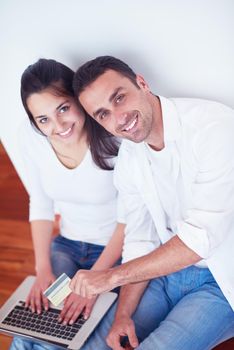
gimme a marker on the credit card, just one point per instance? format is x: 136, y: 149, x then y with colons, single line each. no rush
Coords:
x: 58, y: 290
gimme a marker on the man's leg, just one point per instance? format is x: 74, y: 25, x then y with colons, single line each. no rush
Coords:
x: 152, y: 309
x: 98, y: 339
x: 198, y: 321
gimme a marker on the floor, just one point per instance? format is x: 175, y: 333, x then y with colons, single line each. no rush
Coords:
x: 16, y: 254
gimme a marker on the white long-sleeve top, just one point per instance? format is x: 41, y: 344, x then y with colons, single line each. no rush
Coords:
x: 85, y: 197
x: 187, y: 189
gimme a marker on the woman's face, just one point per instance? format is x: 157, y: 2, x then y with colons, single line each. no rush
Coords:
x: 58, y: 117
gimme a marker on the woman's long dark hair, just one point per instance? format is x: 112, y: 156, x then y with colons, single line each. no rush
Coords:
x: 50, y: 74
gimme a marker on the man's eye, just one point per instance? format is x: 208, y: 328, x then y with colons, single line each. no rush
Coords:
x: 43, y: 120
x: 119, y: 98
x: 64, y: 109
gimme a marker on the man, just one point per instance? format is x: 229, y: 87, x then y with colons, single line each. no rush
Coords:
x: 175, y: 176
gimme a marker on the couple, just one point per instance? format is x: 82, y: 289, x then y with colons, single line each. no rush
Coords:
x: 175, y: 177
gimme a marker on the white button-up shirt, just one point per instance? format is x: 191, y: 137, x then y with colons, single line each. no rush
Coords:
x: 187, y: 189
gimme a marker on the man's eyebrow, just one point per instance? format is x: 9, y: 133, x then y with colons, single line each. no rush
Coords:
x: 116, y: 91
x: 111, y: 98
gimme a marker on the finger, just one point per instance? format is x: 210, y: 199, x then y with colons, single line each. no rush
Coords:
x: 75, y: 287
x: 72, y: 313
x: 132, y: 337
x: 83, y: 291
x: 27, y: 301
x: 88, y: 308
x: 73, y: 303
x: 77, y: 312
x: 72, y: 283
x: 45, y: 302
x: 37, y: 301
x: 64, y: 311
x: 32, y: 305
x: 113, y: 341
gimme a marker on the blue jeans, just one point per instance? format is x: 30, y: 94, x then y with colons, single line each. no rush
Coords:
x: 183, y: 311
x: 66, y: 256
x: 69, y: 256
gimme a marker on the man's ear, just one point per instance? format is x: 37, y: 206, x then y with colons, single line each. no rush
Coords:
x: 142, y: 83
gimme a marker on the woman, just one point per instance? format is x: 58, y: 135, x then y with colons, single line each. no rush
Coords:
x: 69, y: 161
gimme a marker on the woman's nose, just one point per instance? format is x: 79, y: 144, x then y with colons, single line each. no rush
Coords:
x: 58, y: 125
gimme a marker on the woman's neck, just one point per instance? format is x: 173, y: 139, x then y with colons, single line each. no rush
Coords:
x: 71, y: 154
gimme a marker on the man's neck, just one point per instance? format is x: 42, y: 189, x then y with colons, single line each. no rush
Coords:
x: 156, y: 137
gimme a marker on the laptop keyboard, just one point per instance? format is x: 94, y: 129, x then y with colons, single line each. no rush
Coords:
x: 45, y: 323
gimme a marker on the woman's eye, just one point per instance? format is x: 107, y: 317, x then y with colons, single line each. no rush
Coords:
x: 43, y: 120
x: 64, y: 109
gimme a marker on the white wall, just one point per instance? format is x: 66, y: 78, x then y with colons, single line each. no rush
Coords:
x: 182, y: 47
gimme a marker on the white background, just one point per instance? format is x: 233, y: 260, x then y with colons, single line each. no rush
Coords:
x: 181, y: 47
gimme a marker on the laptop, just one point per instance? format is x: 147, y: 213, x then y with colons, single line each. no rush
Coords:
x: 16, y: 320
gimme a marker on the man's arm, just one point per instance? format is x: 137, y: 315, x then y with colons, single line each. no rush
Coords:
x: 172, y: 256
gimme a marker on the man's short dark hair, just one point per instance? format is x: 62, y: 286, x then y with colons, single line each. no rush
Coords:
x: 91, y: 70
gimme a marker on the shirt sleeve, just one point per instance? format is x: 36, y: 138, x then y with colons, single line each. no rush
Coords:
x: 120, y: 210
x: 41, y: 207
x: 140, y: 234
x: 211, y: 217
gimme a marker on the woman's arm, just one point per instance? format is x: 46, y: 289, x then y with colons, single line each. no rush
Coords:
x: 112, y: 251
x: 41, y: 235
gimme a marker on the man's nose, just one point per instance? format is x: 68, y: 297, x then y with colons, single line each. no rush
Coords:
x: 121, y: 118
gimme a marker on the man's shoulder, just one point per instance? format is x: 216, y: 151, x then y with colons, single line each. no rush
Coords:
x: 200, y: 112
x: 127, y: 147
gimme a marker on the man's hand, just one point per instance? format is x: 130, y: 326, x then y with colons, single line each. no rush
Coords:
x: 36, y: 301
x: 74, y: 306
x: 89, y: 284
x: 122, y: 327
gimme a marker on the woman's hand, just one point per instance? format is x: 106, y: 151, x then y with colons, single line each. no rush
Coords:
x: 36, y: 301
x: 74, y: 306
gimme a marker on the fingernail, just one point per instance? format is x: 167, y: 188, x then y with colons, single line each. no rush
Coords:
x: 60, y: 319
x: 85, y: 317
x: 64, y: 323
x: 71, y: 322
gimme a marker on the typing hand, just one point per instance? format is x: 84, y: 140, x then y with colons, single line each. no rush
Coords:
x: 74, y: 306
x: 36, y: 301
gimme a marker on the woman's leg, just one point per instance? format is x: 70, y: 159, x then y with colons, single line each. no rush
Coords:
x: 63, y: 257
x: 19, y: 343
x: 69, y: 256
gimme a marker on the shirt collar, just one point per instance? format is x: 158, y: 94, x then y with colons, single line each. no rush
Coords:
x: 171, y: 122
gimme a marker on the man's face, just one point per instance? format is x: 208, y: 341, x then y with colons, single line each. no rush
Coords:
x: 121, y: 107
